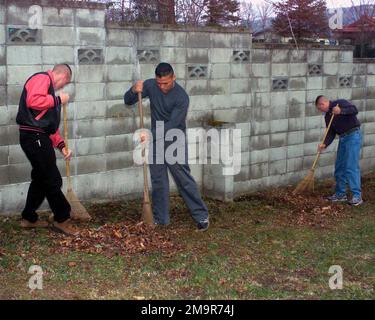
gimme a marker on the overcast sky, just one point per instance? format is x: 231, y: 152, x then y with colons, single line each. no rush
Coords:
x: 330, y: 3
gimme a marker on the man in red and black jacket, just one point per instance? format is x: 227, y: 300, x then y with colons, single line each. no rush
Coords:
x: 39, y: 119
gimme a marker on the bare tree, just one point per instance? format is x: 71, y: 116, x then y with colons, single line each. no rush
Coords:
x: 264, y: 13
x: 248, y: 14
x: 190, y: 12
x: 363, y: 13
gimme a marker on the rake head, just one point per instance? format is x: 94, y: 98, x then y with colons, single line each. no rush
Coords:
x: 307, y: 184
x: 78, y: 210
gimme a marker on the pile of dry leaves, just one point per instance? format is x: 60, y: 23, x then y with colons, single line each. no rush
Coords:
x: 117, y: 239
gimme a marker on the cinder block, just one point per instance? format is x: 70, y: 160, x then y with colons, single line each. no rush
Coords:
x: 297, y: 97
x: 295, y: 164
x: 277, y: 153
x: 279, y: 125
x: 4, y: 178
x: 359, y: 81
x: 198, y: 56
x: 368, y: 152
x: 242, y: 40
x: 313, y: 135
x: 90, y: 164
x: 198, y: 40
x: 173, y: 39
x: 90, y: 146
x: 201, y: 102
x: 331, y: 69
x: 277, y: 167
x: 261, y: 84
x: 217, y: 87
x: 239, y: 85
x: 119, y: 143
x: 91, y: 36
x: 370, y: 104
x: 91, y: 73
x: 13, y: 197
x: 262, y: 100
x: 360, y: 69
x: 120, y: 55
x: 90, y: 18
x: 346, y: 56
x: 259, y: 156
x: 91, y: 92
x: 4, y: 155
x: 314, y: 56
x: 295, y: 124
x: 240, y: 70
x: 220, y: 55
x: 58, y: 54
x: 259, y: 142
x: 58, y: 16
x: 19, y: 74
x: 310, y: 149
x: 345, y: 69
x: 196, y: 87
x: 280, y: 56
x: 298, y: 69
x: 3, y: 102
x: 90, y: 128
x: 149, y: 38
x: 260, y: 127
x: 259, y: 170
x: 93, y: 186
x: 13, y: 94
x: 261, y: 70
x: 331, y: 56
x: 278, y: 112
x: 298, y: 83
x: 296, y: 110
x: 371, y: 81
x: 24, y: 55
x: 279, y: 98
x: 295, y: 137
x: 221, y: 40
x: 313, y: 122
x: 370, y: 69
x: 59, y: 35
x: 2, y: 34
x: 220, y: 71
x: 330, y: 82
x: 236, y: 115
x: 121, y: 36
x: 279, y: 70
x: 16, y: 155
x: 18, y: 15
x: 260, y: 56
x: 359, y: 93
x: 20, y: 172
x: 298, y: 56
x: 119, y: 126
x: 173, y: 55
x: 314, y: 83
x: 295, y: 151
x: 278, y: 140
x: 119, y: 160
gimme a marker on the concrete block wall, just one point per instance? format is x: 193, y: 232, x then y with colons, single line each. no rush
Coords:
x: 266, y: 91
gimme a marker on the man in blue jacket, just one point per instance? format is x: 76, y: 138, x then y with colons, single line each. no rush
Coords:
x: 347, y: 126
x: 169, y: 106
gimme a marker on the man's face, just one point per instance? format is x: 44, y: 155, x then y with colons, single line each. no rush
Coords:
x: 323, y: 105
x: 166, y: 83
x: 61, y: 80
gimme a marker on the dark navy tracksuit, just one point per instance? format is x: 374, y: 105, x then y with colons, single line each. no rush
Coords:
x: 171, y: 108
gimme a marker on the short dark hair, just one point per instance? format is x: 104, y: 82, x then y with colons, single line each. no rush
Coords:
x: 163, y: 69
x: 63, y: 67
x: 318, y: 99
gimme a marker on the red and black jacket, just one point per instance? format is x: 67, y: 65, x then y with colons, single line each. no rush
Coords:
x: 39, y: 109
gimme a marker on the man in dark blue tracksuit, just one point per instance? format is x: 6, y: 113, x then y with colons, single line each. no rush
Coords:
x: 347, y: 126
x: 169, y: 105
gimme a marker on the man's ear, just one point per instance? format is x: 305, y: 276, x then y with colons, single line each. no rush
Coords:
x: 174, y: 77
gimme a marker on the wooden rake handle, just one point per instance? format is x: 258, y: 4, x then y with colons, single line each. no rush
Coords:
x: 324, y: 138
x: 66, y: 141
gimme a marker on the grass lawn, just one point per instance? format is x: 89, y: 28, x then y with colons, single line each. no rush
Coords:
x: 258, y: 247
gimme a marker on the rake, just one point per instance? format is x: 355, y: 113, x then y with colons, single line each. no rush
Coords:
x: 78, y: 211
x: 307, y: 184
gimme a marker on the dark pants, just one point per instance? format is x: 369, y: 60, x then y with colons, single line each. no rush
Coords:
x: 46, y: 181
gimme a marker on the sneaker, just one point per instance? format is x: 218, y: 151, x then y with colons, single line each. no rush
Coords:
x: 203, y: 225
x: 356, y: 201
x: 65, y: 227
x: 337, y: 198
x: 37, y: 224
